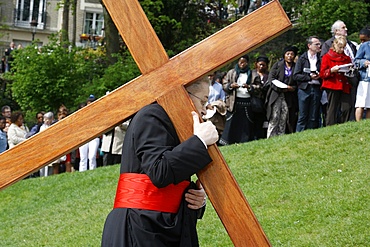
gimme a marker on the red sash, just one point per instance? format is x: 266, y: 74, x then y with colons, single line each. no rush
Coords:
x: 137, y: 191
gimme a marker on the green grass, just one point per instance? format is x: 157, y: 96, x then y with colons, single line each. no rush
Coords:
x: 306, y: 189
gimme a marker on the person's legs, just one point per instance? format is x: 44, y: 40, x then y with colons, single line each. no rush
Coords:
x: 332, y: 107
x: 284, y: 117
x: 354, y: 82
x: 116, y: 159
x: 247, y: 132
x: 106, y: 158
x: 346, y: 106
x: 56, y: 168
x: 83, y: 157
x: 314, y: 109
x: 93, y: 148
x: 273, y: 126
x: 303, y: 107
x: 359, y: 113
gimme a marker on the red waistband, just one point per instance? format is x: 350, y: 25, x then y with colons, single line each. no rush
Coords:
x: 137, y: 191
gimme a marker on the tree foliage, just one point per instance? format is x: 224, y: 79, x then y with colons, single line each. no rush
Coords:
x: 46, y: 77
x: 124, y: 70
x: 315, y: 17
x: 180, y: 24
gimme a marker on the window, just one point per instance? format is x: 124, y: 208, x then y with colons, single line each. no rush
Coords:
x: 28, y: 10
x: 94, y: 23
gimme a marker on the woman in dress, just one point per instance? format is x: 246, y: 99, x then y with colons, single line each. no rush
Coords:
x: 362, y: 60
x: 239, y: 116
x: 282, y: 103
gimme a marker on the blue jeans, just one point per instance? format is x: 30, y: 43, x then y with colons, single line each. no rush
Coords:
x: 309, y: 107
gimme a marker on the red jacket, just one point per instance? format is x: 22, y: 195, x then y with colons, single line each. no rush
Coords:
x: 334, y: 81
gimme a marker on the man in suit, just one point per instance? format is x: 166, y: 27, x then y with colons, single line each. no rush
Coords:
x: 306, y: 73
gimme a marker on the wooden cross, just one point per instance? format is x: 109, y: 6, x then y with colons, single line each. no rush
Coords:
x: 162, y: 80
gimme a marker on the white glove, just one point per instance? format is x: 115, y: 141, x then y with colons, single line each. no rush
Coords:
x: 205, y: 131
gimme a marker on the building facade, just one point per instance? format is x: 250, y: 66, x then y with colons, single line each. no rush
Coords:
x: 25, y: 20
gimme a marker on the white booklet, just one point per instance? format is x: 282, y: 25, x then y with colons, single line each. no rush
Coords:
x: 210, y: 113
x: 279, y: 84
x: 345, y: 67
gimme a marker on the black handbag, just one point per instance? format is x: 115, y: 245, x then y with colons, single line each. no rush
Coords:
x: 257, y: 104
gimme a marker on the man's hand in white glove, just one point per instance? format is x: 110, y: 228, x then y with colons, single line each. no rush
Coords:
x: 206, y: 131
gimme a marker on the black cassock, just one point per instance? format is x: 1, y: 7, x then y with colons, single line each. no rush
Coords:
x: 152, y: 147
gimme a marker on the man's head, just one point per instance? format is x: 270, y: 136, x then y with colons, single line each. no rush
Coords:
x: 339, y: 28
x: 6, y: 111
x: 364, y: 35
x: 313, y: 44
x: 48, y: 118
x: 198, y: 92
x: 2, y: 122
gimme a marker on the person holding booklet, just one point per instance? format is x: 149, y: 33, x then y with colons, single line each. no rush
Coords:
x: 335, y: 83
x: 282, y: 99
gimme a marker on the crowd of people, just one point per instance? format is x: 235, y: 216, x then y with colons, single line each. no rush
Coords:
x: 325, y: 85
x: 101, y: 151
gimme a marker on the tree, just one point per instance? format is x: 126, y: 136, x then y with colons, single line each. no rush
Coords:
x: 65, y: 23
x: 43, y: 78
x: 111, y: 39
x: 180, y: 24
x: 74, y: 21
x: 317, y: 16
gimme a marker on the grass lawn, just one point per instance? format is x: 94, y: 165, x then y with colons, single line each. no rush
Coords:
x: 306, y: 189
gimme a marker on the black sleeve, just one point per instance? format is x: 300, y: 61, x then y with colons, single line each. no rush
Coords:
x: 298, y: 74
x: 163, y: 158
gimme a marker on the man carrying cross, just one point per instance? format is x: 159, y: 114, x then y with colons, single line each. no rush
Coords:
x: 151, y: 208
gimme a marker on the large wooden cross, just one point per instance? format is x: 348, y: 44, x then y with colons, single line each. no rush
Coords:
x: 162, y: 80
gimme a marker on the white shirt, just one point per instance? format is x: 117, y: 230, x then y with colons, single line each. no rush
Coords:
x: 313, y: 67
x: 242, y: 92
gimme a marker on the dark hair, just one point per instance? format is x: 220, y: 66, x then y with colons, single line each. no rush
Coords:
x: 246, y: 57
x: 309, y: 39
x: 365, y: 31
x: 262, y: 58
x: 290, y: 48
x: 40, y: 112
x: 217, y: 75
x: 15, y: 115
x: 2, y: 118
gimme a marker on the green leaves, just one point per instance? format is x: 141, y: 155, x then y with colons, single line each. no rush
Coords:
x: 317, y: 17
x: 44, y: 78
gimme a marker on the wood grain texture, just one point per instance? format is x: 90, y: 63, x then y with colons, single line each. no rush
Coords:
x: 159, y: 80
x: 217, y: 179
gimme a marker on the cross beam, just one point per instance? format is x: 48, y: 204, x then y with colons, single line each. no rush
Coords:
x: 163, y: 80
